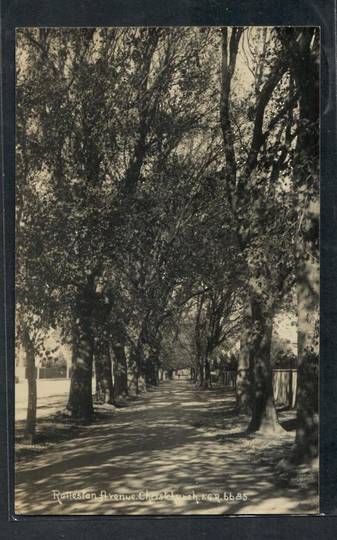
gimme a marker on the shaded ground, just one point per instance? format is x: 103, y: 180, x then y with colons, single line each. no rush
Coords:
x: 176, y: 450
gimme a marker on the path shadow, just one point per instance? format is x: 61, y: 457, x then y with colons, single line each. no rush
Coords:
x: 175, y: 441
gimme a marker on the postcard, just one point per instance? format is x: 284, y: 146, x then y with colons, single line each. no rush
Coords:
x: 167, y: 270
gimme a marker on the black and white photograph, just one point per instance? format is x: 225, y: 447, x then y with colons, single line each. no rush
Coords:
x: 167, y: 270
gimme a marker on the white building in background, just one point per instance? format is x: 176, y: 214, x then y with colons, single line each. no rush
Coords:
x: 53, y: 349
x: 285, y: 327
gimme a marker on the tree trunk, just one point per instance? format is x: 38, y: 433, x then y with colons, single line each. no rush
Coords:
x: 120, y: 371
x: 30, y: 427
x: 243, y: 375
x: 138, y: 365
x: 80, y: 398
x: 104, y: 386
x: 264, y: 417
x: 306, y: 443
x: 193, y: 374
x: 303, y: 50
x: 207, y: 380
x: 151, y: 377
x: 80, y: 403
x: 135, y: 365
x: 201, y: 372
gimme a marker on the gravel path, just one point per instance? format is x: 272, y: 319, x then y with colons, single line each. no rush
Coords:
x: 175, y: 450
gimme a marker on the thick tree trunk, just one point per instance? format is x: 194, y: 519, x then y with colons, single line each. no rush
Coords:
x: 80, y: 403
x: 306, y: 444
x: 80, y: 398
x: 264, y: 417
x: 243, y: 375
x: 304, y: 63
x: 120, y: 371
x: 30, y: 427
x: 302, y: 46
x: 104, y: 386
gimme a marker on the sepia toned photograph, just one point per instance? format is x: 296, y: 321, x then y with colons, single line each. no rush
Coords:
x: 167, y: 271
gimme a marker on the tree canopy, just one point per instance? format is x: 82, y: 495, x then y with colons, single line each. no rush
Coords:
x: 167, y: 192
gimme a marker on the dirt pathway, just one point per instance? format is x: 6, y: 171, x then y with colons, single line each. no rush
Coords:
x: 176, y: 450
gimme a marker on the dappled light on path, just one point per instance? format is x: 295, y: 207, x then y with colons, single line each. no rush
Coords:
x: 175, y: 450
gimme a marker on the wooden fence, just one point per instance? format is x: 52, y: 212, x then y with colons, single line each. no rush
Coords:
x: 284, y: 382
x: 284, y: 385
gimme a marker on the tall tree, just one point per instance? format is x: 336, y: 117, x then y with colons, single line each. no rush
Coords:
x: 253, y: 180
x: 302, y: 48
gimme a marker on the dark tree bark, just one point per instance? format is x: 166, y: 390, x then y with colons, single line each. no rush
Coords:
x: 151, y: 370
x: 207, y: 380
x: 199, y: 343
x: 303, y: 52
x: 207, y: 383
x: 135, y: 365
x: 120, y: 370
x: 238, y: 186
x: 80, y: 403
x: 201, y: 371
x: 243, y: 375
x: 80, y: 398
x: 104, y: 385
x: 308, y: 286
x: 264, y: 417
x: 229, y: 49
x: 30, y: 427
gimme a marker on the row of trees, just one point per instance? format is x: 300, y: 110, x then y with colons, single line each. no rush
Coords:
x: 167, y: 178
